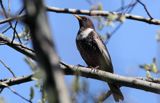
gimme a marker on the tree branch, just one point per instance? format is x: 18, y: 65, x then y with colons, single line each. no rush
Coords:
x: 44, y: 47
x: 133, y: 82
x: 113, y: 78
x: 17, y: 46
x: 8, y: 68
x: 103, y: 13
x: 15, y: 80
x: 91, y: 13
x: 145, y: 8
x: 11, y: 19
x: 6, y: 16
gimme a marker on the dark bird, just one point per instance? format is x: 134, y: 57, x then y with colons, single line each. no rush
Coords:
x: 94, y: 51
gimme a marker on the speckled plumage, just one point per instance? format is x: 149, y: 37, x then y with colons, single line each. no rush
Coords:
x: 94, y: 51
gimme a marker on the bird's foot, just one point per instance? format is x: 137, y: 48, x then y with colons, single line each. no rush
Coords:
x: 94, y: 69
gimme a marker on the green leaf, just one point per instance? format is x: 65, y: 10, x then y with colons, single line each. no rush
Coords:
x: 100, y: 6
x: 154, y: 68
x: 148, y: 75
x: 147, y: 67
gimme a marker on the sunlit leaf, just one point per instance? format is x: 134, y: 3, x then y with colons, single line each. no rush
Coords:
x: 100, y: 6
x: 154, y: 68
x: 148, y: 75
x: 147, y: 67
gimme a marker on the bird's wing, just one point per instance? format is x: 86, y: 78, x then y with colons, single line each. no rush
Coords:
x: 106, y: 59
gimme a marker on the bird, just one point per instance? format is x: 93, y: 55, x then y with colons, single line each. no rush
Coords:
x: 94, y: 52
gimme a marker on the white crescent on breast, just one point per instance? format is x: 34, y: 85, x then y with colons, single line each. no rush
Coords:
x: 84, y: 34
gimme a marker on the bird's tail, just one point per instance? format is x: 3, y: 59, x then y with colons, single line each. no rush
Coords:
x: 117, y: 94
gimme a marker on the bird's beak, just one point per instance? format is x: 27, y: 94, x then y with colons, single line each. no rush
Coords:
x: 78, y: 17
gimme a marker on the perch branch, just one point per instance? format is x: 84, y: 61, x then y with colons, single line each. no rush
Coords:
x: 132, y: 82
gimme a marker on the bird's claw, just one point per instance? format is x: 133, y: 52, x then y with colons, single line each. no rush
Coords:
x: 94, y: 69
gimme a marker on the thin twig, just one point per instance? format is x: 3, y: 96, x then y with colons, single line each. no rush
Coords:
x: 19, y: 95
x: 5, y: 85
x: 5, y: 14
x: 15, y: 28
x: 11, y: 19
x: 129, y: 9
x: 17, y: 46
x: 102, y: 13
x: 15, y: 81
x: 8, y: 68
x: 112, y: 33
x: 6, y: 29
x: 145, y: 8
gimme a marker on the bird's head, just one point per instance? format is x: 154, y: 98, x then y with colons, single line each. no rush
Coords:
x: 84, y: 22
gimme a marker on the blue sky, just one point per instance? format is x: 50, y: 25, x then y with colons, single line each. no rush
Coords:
x: 133, y: 44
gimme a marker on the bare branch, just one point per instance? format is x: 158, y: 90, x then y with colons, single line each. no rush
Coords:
x: 14, y: 29
x: 44, y: 47
x: 103, y: 13
x: 154, y: 80
x: 15, y: 81
x: 11, y: 19
x: 6, y: 29
x: 113, y: 78
x: 17, y: 46
x: 4, y: 85
x: 132, y: 82
x: 145, y: 8
x: 125, y: 9
x: 19, y: 95
x: 8, y: 68
x: 91, y: 13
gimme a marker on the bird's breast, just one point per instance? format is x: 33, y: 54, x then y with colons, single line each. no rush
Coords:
x: 84, y: 34
x: 92, y: 54
x: 88, y: 52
